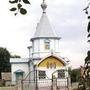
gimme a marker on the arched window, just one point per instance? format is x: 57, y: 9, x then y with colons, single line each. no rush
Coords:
x: 19, y: 75
x: 47, y: 44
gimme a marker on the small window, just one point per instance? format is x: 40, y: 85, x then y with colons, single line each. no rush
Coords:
x: 19, y: 76
x: 61, y: 73
x: 47, y: 44
x: 42, y: 74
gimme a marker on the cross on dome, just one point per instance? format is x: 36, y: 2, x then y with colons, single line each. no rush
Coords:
x: 44, y: 6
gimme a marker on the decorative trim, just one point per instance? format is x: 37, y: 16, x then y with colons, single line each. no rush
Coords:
x: 58, y: 58
x: 19, y: 71
x: 44, y: 38
x: 35, y: 59
x: 44, y: 52
x: 18, y: 62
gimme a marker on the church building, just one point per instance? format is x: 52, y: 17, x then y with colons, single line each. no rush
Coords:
x: 44, y: 55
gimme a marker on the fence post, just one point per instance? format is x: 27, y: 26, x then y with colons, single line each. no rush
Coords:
x: 22, y: 84
x: 36, y: 81
x: 67, y: 83
x: 52, y: 83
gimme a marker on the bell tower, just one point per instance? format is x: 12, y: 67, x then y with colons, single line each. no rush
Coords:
x: 45, y: 41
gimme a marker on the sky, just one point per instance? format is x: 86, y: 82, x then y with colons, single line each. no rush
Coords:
x: 66, y: 17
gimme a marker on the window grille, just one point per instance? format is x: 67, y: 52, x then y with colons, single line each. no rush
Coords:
x: 61, y: 73
x: 42, y: 74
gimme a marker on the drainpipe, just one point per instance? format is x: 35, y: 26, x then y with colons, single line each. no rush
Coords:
x: 36, y: 78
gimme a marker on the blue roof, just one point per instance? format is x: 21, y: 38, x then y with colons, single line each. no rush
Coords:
x: 19, y: 71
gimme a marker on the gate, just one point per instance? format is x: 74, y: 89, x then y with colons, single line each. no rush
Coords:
x: 54, y: 83
x: 47, y: 84
x: 36, y: 83
x: 43, y: 84
x: 39, y: 85
x: 59, y: 84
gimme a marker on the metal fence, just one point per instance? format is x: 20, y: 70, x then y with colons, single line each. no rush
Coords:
x: 9, y: 88
x: 47, y: 84
x: 36, y: 83
x: 39, y: 85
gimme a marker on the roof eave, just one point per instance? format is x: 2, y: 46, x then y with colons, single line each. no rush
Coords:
x: 58, y: 38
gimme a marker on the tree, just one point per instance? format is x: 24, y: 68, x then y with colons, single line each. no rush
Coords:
x: 75, y: 75
x: 87, y: 59
x: 86, y: 9
x: 15, y: 56
x: 4, y: 60
x: 84, y: 83
x: 19, y: 7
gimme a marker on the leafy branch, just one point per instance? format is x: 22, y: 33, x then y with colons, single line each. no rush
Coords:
x: 86, y: 9
x: 19, y: 8
x: 84, y: 83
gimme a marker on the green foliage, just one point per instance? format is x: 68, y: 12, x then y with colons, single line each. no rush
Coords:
x: 13, y: 9
x: 81, y: 85
x: 75, y: 75
x: 88, y: 16
x: 84, y: 83
x: 19, y: 7
x: 4, y: 60
x: 15, y: 1
x: 15, y: 56
x: 26, y: 1
x: 87, y: 60
x: 23, y: 11
x: 88, y: 28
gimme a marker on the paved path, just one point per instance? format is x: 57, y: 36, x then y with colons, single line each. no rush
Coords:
x: 49, y: 88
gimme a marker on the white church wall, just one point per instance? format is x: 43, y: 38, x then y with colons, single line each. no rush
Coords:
x: 56, y: 44
x: 21, y: 66
x: 42, y: 49
x: 36, y: 46
x: 39, y: 48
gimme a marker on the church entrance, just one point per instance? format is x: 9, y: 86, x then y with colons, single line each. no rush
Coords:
x: 44, y: 84
x: 54, y: 83
x: 38, y: 83
x: 49, y: 74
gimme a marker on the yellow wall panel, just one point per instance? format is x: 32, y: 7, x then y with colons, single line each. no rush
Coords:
x: 51, y: 62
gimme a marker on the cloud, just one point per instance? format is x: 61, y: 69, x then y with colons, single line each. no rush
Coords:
x: 66, y: 18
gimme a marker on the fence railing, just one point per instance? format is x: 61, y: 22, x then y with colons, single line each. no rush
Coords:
x: 42, y: 85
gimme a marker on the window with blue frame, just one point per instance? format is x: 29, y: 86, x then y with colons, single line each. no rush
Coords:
x: 19, y: 76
